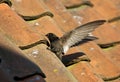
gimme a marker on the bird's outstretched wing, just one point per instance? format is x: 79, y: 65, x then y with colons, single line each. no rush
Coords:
x: 79, y: 33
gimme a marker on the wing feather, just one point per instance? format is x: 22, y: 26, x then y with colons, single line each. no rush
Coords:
x: 79, y: 33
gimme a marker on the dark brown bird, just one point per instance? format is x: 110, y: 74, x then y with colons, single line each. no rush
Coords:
x: 61, y: 45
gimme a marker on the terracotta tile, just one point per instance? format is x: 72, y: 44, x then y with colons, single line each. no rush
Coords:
x: 54, y: 71
x: 15, y: 28
x: 106, y: 8
x: 45, y: 25
x: 116, y: 3
x: 115, y: 25
x: 85, y: 14
x: 63, y: 18
x: 73, y: 56
x: 99, y: 70
x: 21, y: 68
x: 70, y: 3
x: 117, y: 80
x: 75, y: 52
x: 62, y: 21
x: 106, y: 34
x: 53, y: 68
x: 109, y: 12
x: 73, y: 49
x: 101, y: 32
x: 100, y: 63
x: 29, y: 7
x: 114, y: 54
x: 84, y: 72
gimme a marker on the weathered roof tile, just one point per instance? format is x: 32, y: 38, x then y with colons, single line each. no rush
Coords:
x: 15, y: 28
x: 29, y: 7
x: 101, y: 64
x: 14, y: 63
x: 45, y: 25
x: 116, y: 3
x: 105, y: 36
x: 63, y: 18
x: 84, y: 72
x: 53, y: 68
x: 75, y: 3
x: 106, y: 8
x: 101, y: 32
x: 114, y: 54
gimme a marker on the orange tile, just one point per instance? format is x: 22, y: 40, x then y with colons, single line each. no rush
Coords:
x: 74, y: 55
x: 45, y: 25
x: 105, y: 36
x: 69, y: 3
x: 63, y: 18
x: 100, y: 63
x: 116, y: 3
x: 73, y: 50
x: 106, y: 8
x: 84, y: 72
x: 116, y: 25
x: 29, y: 7
x: 114, y: 54
x: 21, y: 68
x: 53, y: 68
x: 18, y: 32
x: 16, y: 28
x: 86, y: 14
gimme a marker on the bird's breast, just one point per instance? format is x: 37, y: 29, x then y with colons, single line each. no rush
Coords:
x: 65, y: 49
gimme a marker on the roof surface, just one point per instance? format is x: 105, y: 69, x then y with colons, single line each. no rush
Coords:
x: 24, y: 57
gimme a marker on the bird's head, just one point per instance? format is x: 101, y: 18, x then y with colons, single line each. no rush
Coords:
x: 52, y: 37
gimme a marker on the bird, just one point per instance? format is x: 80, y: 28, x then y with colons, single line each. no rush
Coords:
x: 60, y: 45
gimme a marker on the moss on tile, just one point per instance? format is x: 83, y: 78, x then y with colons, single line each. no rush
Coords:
x: 71, y: 66
x: 77, y: 8
x: 107, y: 49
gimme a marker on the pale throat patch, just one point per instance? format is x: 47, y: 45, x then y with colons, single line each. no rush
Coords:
x: 65, y: 48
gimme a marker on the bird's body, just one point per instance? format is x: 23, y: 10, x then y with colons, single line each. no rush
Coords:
x: 57, y: 48
x: 61, y: 45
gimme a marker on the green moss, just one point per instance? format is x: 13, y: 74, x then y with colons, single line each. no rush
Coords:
x: 74, y: 8
x: 107, y: 49
x: 71, y: 66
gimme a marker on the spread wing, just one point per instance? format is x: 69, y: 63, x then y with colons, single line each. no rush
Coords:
x: 79, y: 33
